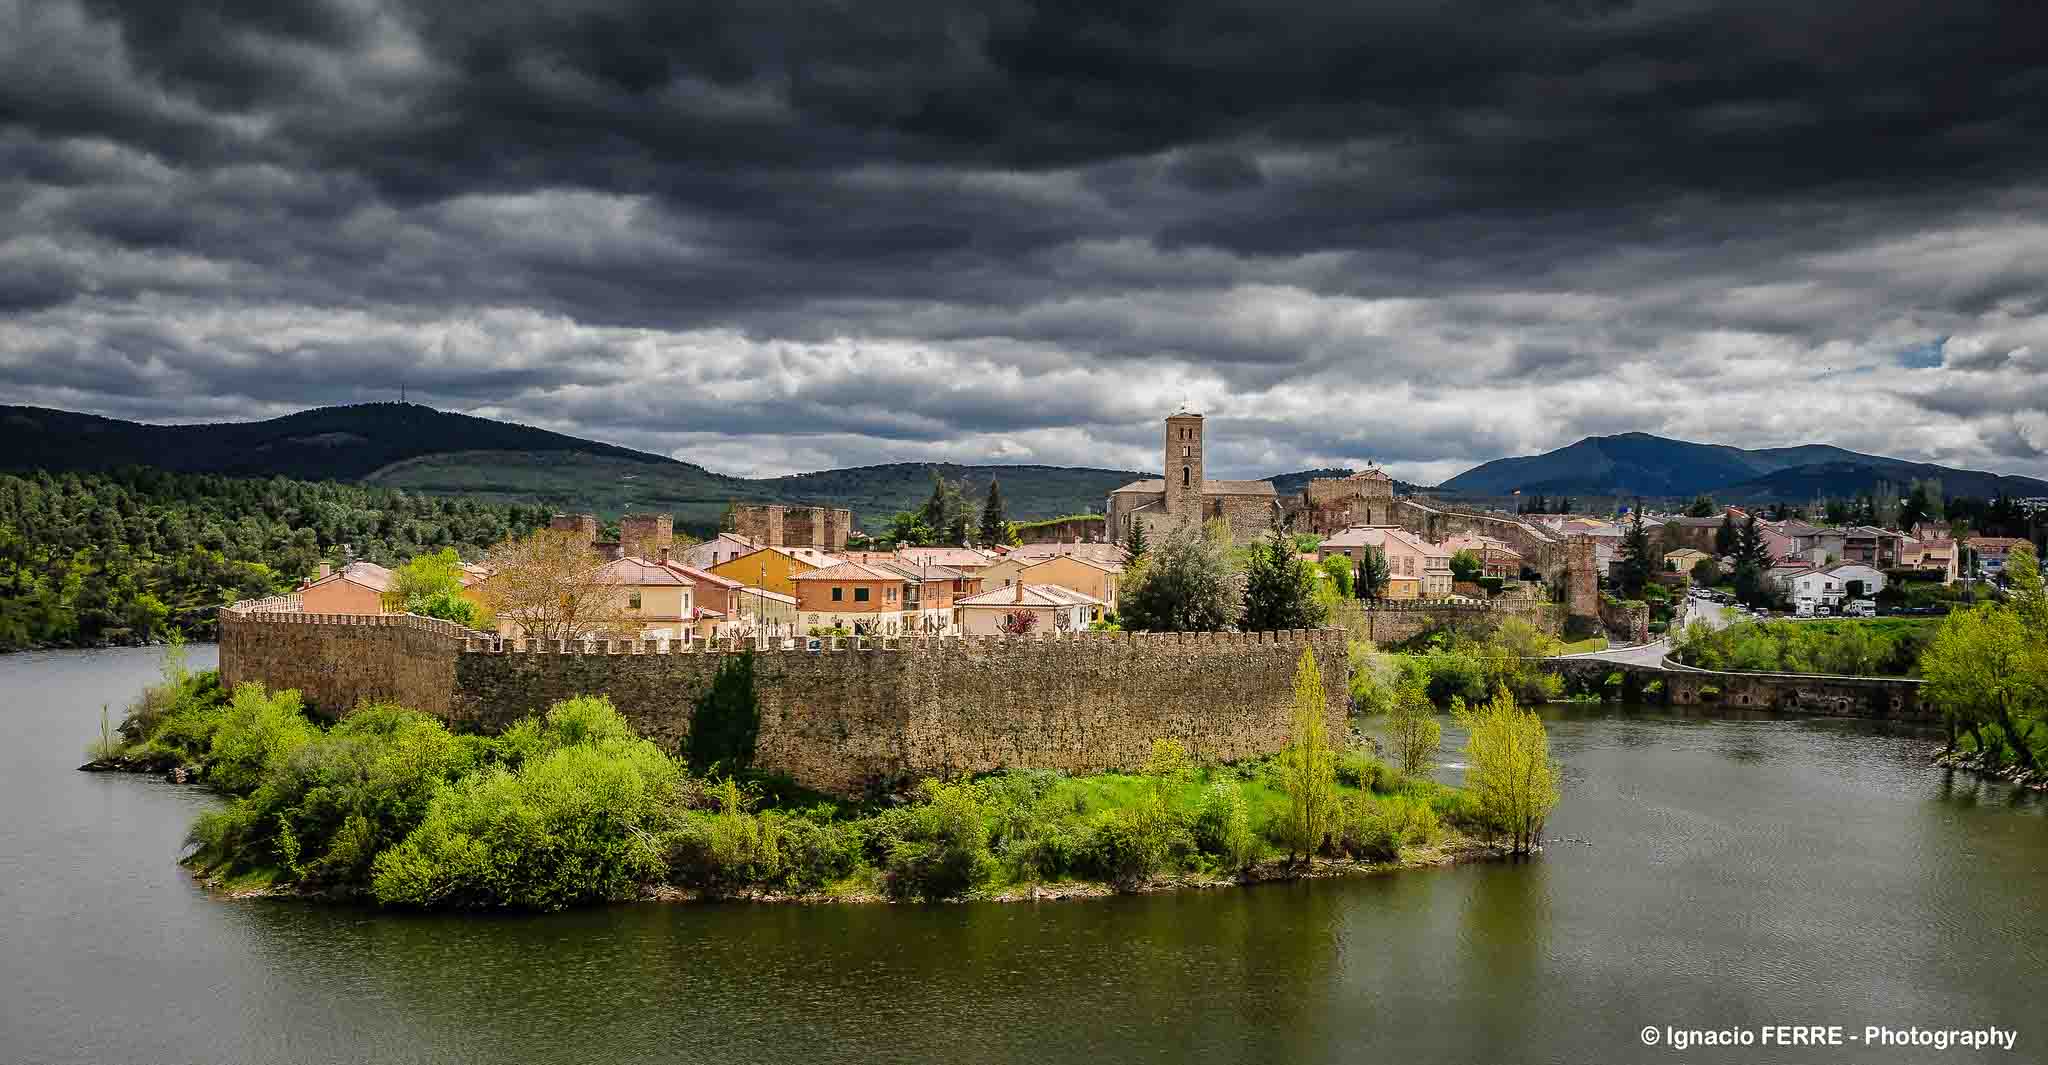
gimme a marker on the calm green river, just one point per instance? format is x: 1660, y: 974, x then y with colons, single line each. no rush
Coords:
x: 1710, y: 874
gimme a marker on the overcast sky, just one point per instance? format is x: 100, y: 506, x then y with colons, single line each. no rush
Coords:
x: 770, y: 237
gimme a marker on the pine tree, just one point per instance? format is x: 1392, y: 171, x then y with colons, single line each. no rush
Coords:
x: 1634, y: 567
x: 1279, y: 589
x: 1724, y: 537
x: 1134, y: 544
x: 1373, y: 574
x: 995, y: 526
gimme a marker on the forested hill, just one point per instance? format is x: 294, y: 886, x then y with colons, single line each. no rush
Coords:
x: 125, y: 557
x: 327, y: 443
x: 1641, y: 464
x: 420, y: 449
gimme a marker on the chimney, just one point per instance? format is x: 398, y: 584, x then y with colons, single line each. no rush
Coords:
x: 664, y: 554
x: 326, y: 570
x: 1019, y: 594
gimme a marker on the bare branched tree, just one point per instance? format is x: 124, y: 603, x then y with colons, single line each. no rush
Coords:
x: 550, y: 583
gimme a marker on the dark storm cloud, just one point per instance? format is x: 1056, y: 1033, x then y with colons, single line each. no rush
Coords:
x: 1429, y: 233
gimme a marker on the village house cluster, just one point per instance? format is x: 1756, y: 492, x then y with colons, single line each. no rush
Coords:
x: 787, y: 571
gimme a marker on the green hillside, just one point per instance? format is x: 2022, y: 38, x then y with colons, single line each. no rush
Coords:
x: 421, y: 449
x: 1640, y: 464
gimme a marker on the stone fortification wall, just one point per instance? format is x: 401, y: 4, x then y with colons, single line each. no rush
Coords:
x: 839, y: 718
x: 1072, y: 530
x: 337, y: 661
x: 889, y: 710
x: 1387, y: 622
x: 1436, y: 522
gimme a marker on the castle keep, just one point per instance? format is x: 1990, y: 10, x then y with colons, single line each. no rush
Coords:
x: 824, y: 528
x: 1184, y: 495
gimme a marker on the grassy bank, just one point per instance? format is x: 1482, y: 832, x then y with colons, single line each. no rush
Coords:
x: 575, y: 808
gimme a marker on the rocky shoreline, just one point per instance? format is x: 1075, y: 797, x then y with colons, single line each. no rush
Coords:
x: 1976, y: 762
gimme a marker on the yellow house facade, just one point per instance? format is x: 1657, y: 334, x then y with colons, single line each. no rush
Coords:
x: 1093, y: 579
x: 774, y: 568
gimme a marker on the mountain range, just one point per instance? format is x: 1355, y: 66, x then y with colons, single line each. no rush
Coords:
x: 421, y: 449
x: 1639, y: 464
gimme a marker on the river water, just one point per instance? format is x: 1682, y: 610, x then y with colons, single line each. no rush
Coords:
x: 1712, y: 873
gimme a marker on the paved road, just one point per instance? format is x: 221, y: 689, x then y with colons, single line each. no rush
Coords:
x: 1652, y: 653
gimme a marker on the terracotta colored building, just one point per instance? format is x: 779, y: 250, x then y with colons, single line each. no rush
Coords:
x: 357, y: 588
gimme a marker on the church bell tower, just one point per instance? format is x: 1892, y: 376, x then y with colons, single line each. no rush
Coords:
x: 1184, y: 466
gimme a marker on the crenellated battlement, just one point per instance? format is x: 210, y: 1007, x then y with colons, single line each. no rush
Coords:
x: 479, y: 644
x: 840, y: 716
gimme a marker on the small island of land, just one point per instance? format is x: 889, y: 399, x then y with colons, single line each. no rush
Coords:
x: 389, y: 805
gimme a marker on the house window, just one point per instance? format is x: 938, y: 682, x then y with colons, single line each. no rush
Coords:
x: 1183, y: 476
x: 633, y: 601
x: 860, y: 595
x: 838, y: 593
x: 892, y: 595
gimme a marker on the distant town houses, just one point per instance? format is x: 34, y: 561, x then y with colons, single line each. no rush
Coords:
x: 1050, y: 608
x: 1416, y: 568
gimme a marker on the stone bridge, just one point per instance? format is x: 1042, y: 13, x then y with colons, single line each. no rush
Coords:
x: 1883, y: 698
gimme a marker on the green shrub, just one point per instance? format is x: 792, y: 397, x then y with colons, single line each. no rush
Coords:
x: 1376, y: 828
x: 1357, y: 769
x: 1223, y: 827
x: 323, y: 812
x: 938, y: 849
x: 576, y: 824
x: 256, y: 729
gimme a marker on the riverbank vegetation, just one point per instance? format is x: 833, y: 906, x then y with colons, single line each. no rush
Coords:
x: 1882, y: 647
x: 1453, y: 667
x: 574, y: 807
x: 1987, y: 672
x: 135, y: 555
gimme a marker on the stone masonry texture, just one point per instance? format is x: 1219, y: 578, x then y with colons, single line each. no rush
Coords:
x: 844, y: 718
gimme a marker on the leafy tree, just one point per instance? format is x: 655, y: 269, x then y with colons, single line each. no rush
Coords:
x: 1339, y: 570
x: 1020, y: 623
x: 1510, y: 773
x: 908, y: 529
x: 431, y: 585
x: 1705, y: 572
x: 1374, y: 573
x: 1987, y: 676
x: 995, y: 527
x: 1308, y: 766
x: 1184, y: 585
x: 1702, y: 506
x: 1412, y: 726
x: 1466, y: 565
x: 1279, y: 589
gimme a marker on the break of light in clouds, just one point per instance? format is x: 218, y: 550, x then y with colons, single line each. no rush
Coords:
x: 769, y: 238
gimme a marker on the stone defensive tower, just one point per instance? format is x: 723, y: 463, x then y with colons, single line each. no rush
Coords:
x: 824, y: 528
x: 1581, y: 581
x: 1183, y: 466
x: 647, y: 536
x: 583, y: 525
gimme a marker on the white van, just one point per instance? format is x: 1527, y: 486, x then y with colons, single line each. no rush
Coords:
x: 1861, y: 608
x: 1803, y: 609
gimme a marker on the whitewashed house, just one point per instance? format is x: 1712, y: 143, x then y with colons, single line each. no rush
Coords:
x: 1837, y: 584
